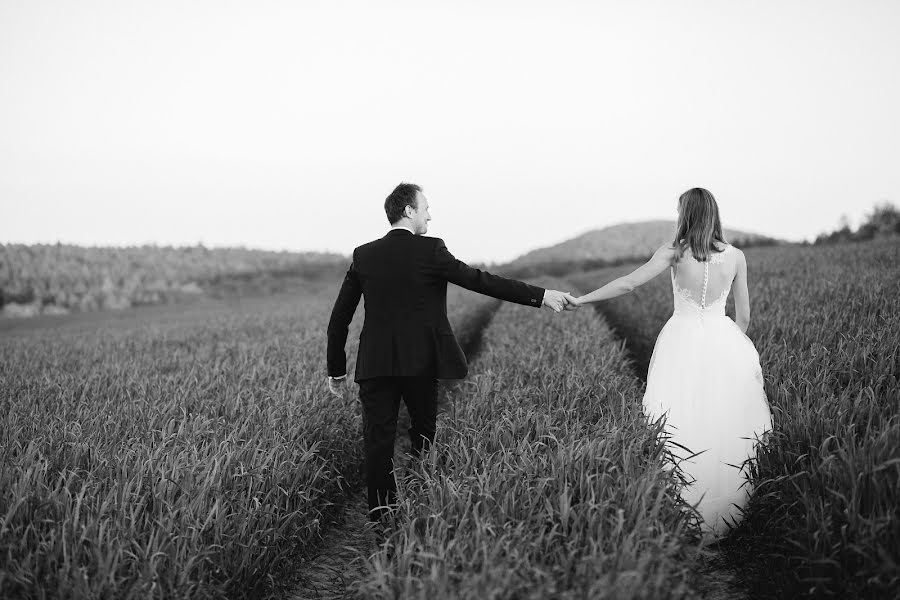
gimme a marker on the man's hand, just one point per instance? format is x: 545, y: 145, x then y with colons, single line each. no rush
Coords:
x: 557, y: 300
x: 337, y: 387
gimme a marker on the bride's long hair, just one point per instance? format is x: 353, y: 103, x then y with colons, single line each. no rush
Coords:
x: 699, y: 227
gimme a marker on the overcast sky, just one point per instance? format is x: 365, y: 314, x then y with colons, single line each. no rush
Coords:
x: 283, y: 125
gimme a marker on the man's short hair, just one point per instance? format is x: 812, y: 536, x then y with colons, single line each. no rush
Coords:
x: 403, y: 195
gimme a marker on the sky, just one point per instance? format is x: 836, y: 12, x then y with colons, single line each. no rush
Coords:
x: 284, y: 125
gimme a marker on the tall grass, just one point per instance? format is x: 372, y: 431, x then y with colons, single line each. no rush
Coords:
x: 184, y: 456
x: 545, y: 480
x: 825, y: 518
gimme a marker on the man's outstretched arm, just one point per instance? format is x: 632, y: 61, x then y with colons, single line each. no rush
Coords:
x: 511, y: 290
x: 339, y: 324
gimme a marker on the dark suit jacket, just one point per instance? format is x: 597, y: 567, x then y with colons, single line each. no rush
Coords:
x: 403, y: 278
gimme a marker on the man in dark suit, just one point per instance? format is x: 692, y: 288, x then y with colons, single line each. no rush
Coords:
x: 406, y: 343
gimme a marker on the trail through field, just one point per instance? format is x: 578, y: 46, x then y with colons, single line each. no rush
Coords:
x: 331, y: 573
x: 717, y: 578
x: 339, y: 562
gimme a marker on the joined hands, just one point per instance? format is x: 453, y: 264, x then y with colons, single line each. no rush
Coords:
x: 559, y: 301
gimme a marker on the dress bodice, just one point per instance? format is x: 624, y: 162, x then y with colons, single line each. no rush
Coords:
x: 697, y: 302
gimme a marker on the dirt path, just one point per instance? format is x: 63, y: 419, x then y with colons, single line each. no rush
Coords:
x: 717, y: 578
x: 340, y: 561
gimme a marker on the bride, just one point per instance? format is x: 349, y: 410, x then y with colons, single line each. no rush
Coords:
x: 704, y: 374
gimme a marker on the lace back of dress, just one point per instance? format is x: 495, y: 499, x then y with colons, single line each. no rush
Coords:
x: 705, y: 284
x: 717, y: 258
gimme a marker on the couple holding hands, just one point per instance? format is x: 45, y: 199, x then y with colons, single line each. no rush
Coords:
x: 406, y: 345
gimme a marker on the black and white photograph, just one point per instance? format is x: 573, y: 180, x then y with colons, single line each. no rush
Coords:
x: 394, y: 299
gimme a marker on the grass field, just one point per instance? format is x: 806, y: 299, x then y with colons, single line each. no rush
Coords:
x: 825, y: 520
x: 173, y: 453
x: 193, y: 451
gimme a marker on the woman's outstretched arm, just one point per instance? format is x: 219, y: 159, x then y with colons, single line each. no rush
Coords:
x: 741, y: 294
x: 662, y: 259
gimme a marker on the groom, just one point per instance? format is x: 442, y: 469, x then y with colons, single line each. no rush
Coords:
x: 406, y: 343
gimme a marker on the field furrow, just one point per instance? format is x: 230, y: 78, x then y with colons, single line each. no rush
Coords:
x: 545, y: 480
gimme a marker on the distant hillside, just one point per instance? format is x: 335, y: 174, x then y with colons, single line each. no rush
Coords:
x: 613, y: 244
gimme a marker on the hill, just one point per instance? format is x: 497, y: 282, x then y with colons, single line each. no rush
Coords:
x: 614, y: 244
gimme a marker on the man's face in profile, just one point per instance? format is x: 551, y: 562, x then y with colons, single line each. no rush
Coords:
x: 421, y: 216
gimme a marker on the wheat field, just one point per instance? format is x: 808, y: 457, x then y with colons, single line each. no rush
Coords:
x: 825, y: 518
x: 193, y: 452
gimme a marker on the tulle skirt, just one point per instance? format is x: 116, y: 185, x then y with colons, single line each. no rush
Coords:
x: 705, y: 378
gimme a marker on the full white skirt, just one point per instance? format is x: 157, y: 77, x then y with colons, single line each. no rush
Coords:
x: 705, y: 378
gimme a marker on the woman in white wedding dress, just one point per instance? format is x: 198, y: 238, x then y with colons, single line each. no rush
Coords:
x: 704, y: 374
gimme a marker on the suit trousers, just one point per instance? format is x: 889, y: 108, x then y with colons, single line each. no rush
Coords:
x: 380, y: 397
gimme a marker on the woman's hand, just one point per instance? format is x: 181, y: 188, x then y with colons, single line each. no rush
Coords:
x: 574, y: 303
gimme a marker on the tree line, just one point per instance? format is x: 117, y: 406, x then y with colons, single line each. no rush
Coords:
x: 883, y: 221
x: 62, y: 277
